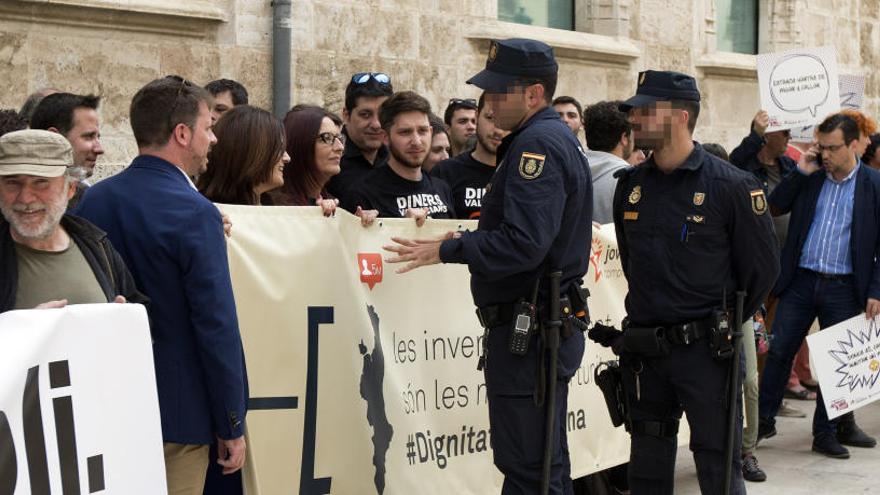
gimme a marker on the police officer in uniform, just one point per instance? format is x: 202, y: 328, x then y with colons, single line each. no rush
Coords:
x: 692, y: 230
x: 535, y: 220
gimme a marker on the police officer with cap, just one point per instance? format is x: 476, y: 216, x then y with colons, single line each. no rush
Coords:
x: 535, y: 221
x: 692, y: 231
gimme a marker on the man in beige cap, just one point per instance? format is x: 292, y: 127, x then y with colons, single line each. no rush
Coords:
x: 48, y: 258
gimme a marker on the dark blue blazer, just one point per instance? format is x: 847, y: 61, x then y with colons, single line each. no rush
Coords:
x: 171, y: 238
x: 799, y: 194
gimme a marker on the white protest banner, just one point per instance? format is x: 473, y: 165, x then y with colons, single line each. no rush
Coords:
x: 846, y: 358
x: 78, y: 405
x: 852, y: 92
x: 798, y: 87
x: 363, y: 380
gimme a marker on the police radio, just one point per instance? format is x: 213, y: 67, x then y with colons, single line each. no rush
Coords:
x: 525, y: 322
x: 525, y: 319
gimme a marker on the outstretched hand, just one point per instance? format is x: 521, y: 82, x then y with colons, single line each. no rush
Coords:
x: 417, y: 252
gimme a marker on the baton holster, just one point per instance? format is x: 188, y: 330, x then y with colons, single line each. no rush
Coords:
x: 610, y: 382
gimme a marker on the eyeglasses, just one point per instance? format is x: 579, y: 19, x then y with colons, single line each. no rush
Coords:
x: 831, y: 149
x: 328, y: 138
x: 183, y: 83
x: 364, y: 78
x: 463, y: 102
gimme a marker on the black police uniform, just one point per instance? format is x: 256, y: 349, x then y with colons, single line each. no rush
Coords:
x: 535, y: 218
x: 686, y: 239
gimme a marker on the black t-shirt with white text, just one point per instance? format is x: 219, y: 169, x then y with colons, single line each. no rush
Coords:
x: 467, y: 179
x: 392, y: 195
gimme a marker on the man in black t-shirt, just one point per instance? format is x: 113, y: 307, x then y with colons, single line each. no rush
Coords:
x: 400, y: 189
x: 364, y: 150
x: 467, y: 174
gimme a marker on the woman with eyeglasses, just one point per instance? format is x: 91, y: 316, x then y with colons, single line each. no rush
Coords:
x: 248, y: 160
x: 315, y: 143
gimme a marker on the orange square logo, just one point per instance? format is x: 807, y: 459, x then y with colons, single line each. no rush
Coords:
x: 370, y: 268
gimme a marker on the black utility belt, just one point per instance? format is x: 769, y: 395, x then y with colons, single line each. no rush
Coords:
x: 657, y: 341
x: 497, y: 315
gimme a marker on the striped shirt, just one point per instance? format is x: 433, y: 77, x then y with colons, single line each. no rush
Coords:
x: 827, y: 249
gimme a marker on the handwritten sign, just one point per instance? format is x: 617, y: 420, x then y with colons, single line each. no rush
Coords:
x: 798, y: 87
x: 846, y: 358
x: 852, y: 93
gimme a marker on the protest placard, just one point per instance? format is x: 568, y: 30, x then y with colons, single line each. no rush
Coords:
x: 798, y: 87
x: 852, y: 92
x: 78, y: 406
x: 846, y: 358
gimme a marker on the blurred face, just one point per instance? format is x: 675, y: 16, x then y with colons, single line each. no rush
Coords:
x: 489, y: 136
x: 222, y: 104
x: 362, y: 123
x: 327, y: 156
x: 463, y: 125
x: 837, y: 156
x: 777, y: 142
x: 201, y: 139
x: 439, y: 151
x: 85, y: 139
x: 508, y: 108
x: 653, y: 124
x: 32, y: 205
x: 409, y: 139
x: 569, y: 114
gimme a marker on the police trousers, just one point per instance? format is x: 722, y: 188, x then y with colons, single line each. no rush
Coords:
x: 688, y: 379
x: 517, y: 423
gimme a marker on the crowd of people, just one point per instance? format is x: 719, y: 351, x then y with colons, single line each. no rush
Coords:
x: 152, y: 234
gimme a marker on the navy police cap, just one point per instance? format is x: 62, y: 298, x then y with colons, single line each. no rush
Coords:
x: 657, y: 85
x: 514, y: 60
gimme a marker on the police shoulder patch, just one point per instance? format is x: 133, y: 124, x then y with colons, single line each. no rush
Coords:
x: 531, y: 165
x: 759, y: 201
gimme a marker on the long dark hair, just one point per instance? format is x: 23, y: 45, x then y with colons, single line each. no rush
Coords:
x: 250, y: 142
x: 302, y: 125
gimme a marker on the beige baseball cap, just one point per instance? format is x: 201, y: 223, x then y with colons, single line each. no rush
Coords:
x: 34, y: 152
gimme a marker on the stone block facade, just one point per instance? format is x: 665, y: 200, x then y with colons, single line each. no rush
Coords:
x: 112, y: 48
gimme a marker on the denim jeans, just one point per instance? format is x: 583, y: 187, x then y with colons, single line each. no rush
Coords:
x: 809, y: 296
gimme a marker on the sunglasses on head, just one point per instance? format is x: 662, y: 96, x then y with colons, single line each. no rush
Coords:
x: 463, y: 102
x: 364, y: 77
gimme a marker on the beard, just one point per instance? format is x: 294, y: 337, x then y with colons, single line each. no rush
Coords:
x: 404, y: 159
x: 486, y: 143
x: 53, y: 213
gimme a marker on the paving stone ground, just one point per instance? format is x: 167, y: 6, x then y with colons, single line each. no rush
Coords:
x: 793, y: 469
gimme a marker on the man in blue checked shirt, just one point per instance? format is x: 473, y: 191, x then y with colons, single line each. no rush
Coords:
x: 830, y: 267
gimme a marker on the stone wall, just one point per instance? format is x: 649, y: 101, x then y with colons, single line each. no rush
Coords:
x: 112, y: 48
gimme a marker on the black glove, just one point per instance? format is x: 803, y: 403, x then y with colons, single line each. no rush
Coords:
x: 607, y: 337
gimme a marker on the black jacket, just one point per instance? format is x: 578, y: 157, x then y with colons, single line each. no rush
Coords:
x: 745, y: 157
x: 113, y: 277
